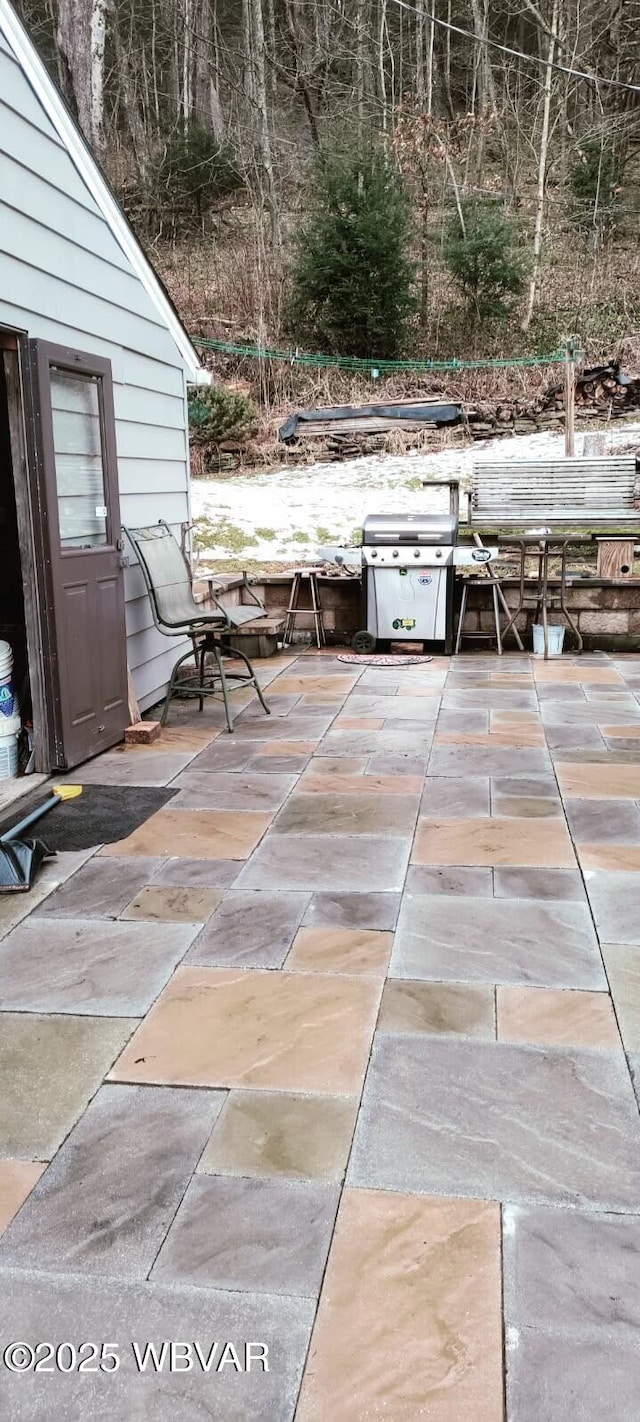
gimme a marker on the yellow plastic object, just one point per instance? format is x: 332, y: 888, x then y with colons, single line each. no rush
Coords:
x: 67, y: 792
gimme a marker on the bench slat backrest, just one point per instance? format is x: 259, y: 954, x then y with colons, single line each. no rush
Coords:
x: 556, y: 491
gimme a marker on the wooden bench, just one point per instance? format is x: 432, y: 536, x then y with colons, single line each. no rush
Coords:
x: 539, y: 492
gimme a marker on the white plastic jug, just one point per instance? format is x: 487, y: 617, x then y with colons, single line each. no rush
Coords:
x: 555, y: 639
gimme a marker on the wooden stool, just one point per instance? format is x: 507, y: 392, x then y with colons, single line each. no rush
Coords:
x: 294, y: 610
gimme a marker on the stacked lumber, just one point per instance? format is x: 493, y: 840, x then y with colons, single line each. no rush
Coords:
x: 600, y: 388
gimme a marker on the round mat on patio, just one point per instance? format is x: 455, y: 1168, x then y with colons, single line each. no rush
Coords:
x: 379, y: 660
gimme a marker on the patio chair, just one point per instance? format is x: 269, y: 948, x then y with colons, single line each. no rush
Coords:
x: 176, y: 613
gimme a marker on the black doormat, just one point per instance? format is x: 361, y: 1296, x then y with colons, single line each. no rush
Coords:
x: 102, y: 814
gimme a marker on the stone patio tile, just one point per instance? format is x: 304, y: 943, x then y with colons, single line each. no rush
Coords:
x: 603, y: 821
x: 497, y: 940
x: 599, y: 782
x: 337, y: 683
x: 291, y: 727
x: 354, y: 767
x: 326, y: 813
x: 572, y: 1019
x: 353, y: 910
x: 489, y: 698
x: 409, y: 1323
x: 408, y: 764
x: 393, y: 741
x: 282, y: 1031
x: 613, y: 756
x: 129, y: 767
x: 609, y: 857
x: 584, y: 714
x: 273, y: 761
x: 267, y: 1236
x: 250, y: 930
x: 395, y: 708
x: 525, y: 737
x: 572, y: 1315
x: 629, y: 744
x: 512, y: 1123
x: 181, y: 738
x: 208, y: 790
x: 573, y: 738
x: 622, y: 962
x: 617, y: 732
x: 49, y: 1070
x: 513, y: 720
x: 316, y: 782
x: 38, y: 1307
x: 279, y: 705
x: 538, y: 884
x: 568, y: 692
x: 421, y: 880
x: 226, y: 755
x: 262, y: 1133
x: 442, y: 1008
x: 52, y: 874
x: 105, y: 1203
x: 520, y: 843
x: 159, y: 903
x: 530, y: 807
x: 341, y: 950
x: 359, y: 864
x: 615, y: 904
x: 89, y: 966
x: 358, y: 723
x: 543, y: 786
x: 463, y: 761
x: 102, y: 888
x: 456, y: 798
x: 585, y: 674
x: 196, y: 834
x: 463, y: 721
x: 17, y: 1179
x: 197, y: 873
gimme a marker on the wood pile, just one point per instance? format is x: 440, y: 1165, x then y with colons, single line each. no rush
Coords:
x: 600, y: 388
x: 601, y: 391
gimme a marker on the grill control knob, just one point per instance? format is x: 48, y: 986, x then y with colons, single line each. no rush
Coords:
x: 416, y: 552
x: 374, y: 552
x: 395, y: 553
x: 438, y: 552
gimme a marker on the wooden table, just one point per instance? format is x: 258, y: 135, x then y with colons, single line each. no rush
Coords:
x: 543, y: 547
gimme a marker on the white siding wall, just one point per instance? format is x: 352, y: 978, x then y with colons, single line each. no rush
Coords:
x: 65, y: 278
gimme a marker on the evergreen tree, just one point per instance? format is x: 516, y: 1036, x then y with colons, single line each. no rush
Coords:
x: 353, y: 279
x: 484, y: 253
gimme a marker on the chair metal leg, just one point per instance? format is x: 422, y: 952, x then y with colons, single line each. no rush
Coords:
x: 496, y: 614
x: 242, y: 656
x: 223, y: 684
x: 202, y: 669
x: 289, y: 624
x: 174, y: 684
x: 461, y: 617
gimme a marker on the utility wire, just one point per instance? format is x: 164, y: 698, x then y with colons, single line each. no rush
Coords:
x: 518, y: 53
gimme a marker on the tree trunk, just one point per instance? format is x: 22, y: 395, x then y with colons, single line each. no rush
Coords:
x: 261, y: 116
x: 206, y: 99
x: 81, y: 39
x: 542, y: 172
x: 420, y: 84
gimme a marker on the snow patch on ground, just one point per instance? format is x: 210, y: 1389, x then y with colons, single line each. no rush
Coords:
x: 284, y: 514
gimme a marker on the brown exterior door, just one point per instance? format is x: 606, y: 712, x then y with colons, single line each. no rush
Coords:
x: 80, y: 545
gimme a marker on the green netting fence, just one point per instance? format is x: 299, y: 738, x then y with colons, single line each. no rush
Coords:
x: 374, y: 368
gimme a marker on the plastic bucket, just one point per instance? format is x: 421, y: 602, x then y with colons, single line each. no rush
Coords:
x: 9, y: 749
x: 555, y: 639
x: 8, y: 703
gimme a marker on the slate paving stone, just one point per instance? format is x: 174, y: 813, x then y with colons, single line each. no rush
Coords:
x: 538, y: 884
x: 415, y: 1285
x: 198, y: 834
x: 211, y: 790
x: 409, y: 764
x: 267, y: 1236
x: 497, y: 940
x: 622, y: 963
x: 519, y: 842
x: 361, y: 863
x: 307, y: 1032
x: 107, y: 1200
x: 228, y: 754
x: 263, y: 1133
x: 341, y: 950
x: 100, y: 889
x: 135, y: 767
x: 326, y: 813
x: 291, y: 728
x: 17, y: 1179
x: 603, y: 821
x: 50, y: 1067
x: 572, y: 1312
x: 440, y: 1008
x: 547, y: 1016
x: 422, y: 880
x: 37, y: 1307
x: 456, y: 798
x: 615, y: 904
x: 532, y: 807
x: 498, y: 698
x: 353, y: 910
x: 89, y: 967
x: 385, y: 743
x: 589, y: 713
x: 463, y: 761
x: 511, y: 1123
x: 197, y: 873
x: 543, y: 786
x: 461, y: 721
x: 250, y: 930
x: 281, y: 758
x: 395, y: 708
x: 159, y: 903
x: 599, y: 782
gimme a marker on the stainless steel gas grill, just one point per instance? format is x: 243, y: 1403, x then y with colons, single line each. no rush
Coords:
x: 408, y: 576
x: 408, y: 564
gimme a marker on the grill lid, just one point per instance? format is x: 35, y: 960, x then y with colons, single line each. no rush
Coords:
x: 410, y: 528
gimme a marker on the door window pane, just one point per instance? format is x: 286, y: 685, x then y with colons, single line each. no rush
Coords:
x: 77, y: 444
